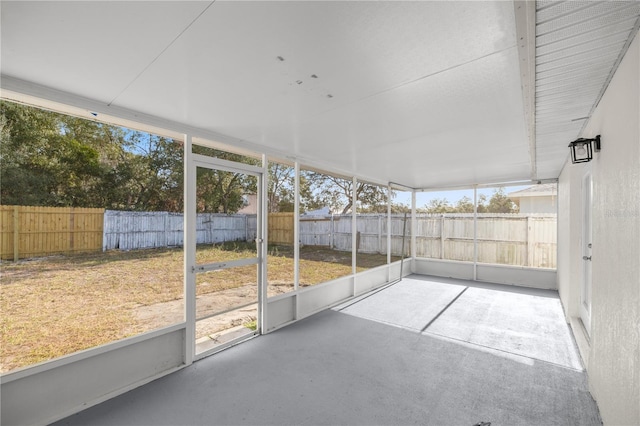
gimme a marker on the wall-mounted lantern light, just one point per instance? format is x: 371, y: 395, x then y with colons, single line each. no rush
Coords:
x: 582, y: 149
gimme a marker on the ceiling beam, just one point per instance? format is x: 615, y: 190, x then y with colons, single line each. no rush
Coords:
x: 525, y: 12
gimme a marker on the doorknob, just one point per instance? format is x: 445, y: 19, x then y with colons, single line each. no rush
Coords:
x: 586, y: 257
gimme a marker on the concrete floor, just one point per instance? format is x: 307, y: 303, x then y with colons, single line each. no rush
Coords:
x: 425, y: 351
x: 511, y: 320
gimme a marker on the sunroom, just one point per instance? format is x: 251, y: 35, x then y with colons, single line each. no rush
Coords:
x: 351, y: 127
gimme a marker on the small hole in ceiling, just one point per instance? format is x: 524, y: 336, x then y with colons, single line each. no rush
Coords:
x: 280, y: 58
x: 329, y: 96
x: 314, y: 76
x: 298, y: 81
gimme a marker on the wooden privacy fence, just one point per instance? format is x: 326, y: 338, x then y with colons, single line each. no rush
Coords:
x: 27, y: 231
x: 509, y: 239
x: 127, y: 230
x: 281, y: 228
x: 371, y: 232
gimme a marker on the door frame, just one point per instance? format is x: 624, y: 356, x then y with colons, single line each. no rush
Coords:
x: 586, y: 250
x: 191, y: 164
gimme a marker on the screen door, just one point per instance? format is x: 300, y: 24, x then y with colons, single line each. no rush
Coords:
x: 227, y: 256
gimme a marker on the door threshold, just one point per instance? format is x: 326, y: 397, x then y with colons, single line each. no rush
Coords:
x: 210, y: 345
x: 581, y: 339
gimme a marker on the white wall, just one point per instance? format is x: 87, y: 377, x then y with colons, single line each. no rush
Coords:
x: 50, y: 391
x: 544, y: 204
x: 491, y: 273
x: 612, y: 355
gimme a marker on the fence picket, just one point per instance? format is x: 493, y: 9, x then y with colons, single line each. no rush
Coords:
x: 502, y: 238
x: 28, y: 231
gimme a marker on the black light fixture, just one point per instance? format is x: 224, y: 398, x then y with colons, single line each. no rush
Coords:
x: 582, y: 149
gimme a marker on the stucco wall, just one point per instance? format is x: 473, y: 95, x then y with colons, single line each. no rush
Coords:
x: 613, y: 358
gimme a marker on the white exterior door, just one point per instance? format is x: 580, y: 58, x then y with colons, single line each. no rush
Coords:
x: 586, y: 242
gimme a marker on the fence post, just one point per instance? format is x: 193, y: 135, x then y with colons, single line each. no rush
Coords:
x: 331, y: 231
x: 104, y: 230
x: 72, y: 225
x: 379, y: 234
x: 442, y: 237
x: 165, y: 232
x: 530, y: 242
x: 16, y: 233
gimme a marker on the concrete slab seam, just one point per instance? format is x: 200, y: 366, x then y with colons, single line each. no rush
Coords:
x: 443, y: 309
x: 503, y: 351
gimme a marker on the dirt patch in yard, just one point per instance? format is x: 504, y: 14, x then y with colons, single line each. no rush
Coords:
x: 58, y: 305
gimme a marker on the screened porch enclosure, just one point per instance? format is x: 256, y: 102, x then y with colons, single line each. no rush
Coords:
x: 368, y: 206
x: 426, y: 350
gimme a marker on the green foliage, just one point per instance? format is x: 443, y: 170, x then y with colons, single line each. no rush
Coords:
x: 50, y: 159
x: 400, y: 208
x: 498, y: 203
x: 251, y: 325
x: 218, y: 191
x: 464, y: 205
x: 439, y: 205
x: 43, y: 161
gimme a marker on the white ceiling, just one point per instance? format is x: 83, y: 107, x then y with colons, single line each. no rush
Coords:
x: 578, y: 45
x: 425, y: 94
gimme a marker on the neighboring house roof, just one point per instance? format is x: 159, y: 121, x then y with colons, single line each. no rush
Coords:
x: 544, y: 190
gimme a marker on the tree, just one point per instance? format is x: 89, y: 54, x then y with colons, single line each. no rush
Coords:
x: 482, y: 203
x: 438, y: 205
x: 281, y: 187
x: 337, y: 193
x: 220, y: 191
x: 464, y: 205
x: 43, y: 163
x: 500, y: 203
x: 400, y: 208
x: 51, y: 159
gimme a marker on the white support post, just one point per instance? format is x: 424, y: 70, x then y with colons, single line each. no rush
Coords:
x: 530, y: 245
x: 475, y: 232
x: 389, y: 233
x: 296, y: 228
x: 442, y: 238
x: 262, y: 238
x: 296, y: 238
x: 354, y: 233
x: 414, y: 225
x: 189, y: 236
